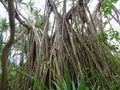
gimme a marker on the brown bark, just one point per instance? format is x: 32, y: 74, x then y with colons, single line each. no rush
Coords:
x: 8, y: 45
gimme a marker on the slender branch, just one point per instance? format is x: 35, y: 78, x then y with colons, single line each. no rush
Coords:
x: 4, y: 4
x: 28, y: 26
x: 19, y: 36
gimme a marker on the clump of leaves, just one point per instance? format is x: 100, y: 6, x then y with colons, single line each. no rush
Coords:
x: 69, y: 84
x: 108, y: 6
x: 103, y: 37
x: 113, y: 34
x: 3, y: 24
x: 36, y: 81
x: 108, y: 36
x: 3, y: 27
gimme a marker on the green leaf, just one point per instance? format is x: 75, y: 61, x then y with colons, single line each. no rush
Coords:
x: 68, y: 79
x: 113, y: 47
x: 103, y: 36
x: 73, y: 86
x: 82, y: 85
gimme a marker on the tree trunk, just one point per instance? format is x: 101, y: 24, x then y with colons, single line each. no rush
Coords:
x: 8, y: 45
